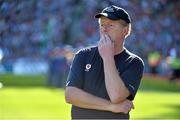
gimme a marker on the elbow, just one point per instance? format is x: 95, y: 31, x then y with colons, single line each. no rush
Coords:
x: 68, y: 96
x: 116, y: 99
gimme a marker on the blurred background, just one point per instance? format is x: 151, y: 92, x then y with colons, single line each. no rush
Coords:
x: 38, y: 40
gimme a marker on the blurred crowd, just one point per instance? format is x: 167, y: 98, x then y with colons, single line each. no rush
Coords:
x: 34, y: 28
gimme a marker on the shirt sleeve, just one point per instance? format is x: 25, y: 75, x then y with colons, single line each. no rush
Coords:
x: 132, y: 76
x: 76, y: 73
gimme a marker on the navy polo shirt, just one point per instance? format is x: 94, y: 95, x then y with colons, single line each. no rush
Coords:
x: 87, y: 73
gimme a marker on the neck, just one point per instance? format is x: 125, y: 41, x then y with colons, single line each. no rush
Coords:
x: 119, y: 46
x: 118, y: 49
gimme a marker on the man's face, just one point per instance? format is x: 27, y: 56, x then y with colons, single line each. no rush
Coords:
x: 113, y: 28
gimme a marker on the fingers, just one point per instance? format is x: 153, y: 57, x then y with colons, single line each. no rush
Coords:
x: 101, y: 34
x: 128, y: 106
x: 105, y: 38
x: 105, y: 46
x: 102, y: 40
x: 124, y: 107
x: 108, y: 38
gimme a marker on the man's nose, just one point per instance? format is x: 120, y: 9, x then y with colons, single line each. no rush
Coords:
x: 104, y: 29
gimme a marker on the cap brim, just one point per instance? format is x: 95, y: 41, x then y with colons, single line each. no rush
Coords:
x: 110, y: 16
x: 101, y: 14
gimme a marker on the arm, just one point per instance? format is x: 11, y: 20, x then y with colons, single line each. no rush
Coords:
x: 83, y: 99
x: 116, y: 89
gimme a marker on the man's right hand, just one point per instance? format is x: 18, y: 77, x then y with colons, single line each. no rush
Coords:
x: 124, y: 107
x: 106, y: 47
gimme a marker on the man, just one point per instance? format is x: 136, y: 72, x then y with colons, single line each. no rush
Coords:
x: 104, y: 79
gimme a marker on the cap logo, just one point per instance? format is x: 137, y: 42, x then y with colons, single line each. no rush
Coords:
x: 109, y: 9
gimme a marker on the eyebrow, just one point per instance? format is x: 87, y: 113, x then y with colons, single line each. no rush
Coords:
x: 105, y: 22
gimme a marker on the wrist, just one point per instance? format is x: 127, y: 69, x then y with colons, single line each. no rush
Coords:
x: 115, y: 108
x: 110, y: 107
x: 108, y: 59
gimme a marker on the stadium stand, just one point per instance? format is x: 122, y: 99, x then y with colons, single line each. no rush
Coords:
x: 30, y: 29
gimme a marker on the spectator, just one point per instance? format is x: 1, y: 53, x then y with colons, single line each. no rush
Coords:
x: 57, y: 68
x: 32, y: 27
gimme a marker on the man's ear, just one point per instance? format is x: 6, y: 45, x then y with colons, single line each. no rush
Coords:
x: 125, y: 31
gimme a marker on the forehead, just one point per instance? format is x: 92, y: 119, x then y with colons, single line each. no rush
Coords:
x: 107, y: 20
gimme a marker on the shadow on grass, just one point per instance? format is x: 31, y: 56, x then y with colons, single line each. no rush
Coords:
x: 9, y: 80
x: 175, y: 114
x: 169, y: 115
x: 159, y: 85
x: 147, y: 84
x: 25, y: 81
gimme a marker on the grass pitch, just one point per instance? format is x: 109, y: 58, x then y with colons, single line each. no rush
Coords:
x: 28, y: 98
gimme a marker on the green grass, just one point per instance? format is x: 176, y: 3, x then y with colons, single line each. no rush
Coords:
x: 150, y: 104
x: 159, y: 85
x: 33, y: 104
x: 23, y: 80
x: 28, y: 98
